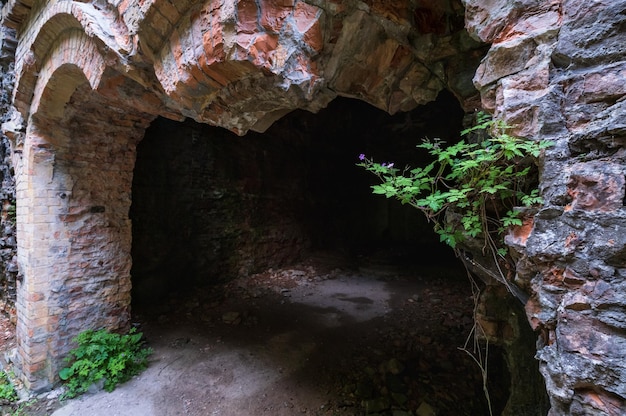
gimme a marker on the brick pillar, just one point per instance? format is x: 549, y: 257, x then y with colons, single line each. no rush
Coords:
x: 38, y: 251
x: 74, y: 233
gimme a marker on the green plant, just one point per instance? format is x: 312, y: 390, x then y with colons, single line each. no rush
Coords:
x: 8, y: 394
x: 10, y: 213
x: 21, y: 408
x: 480, y: 182
x: 105, y: 357
x: 469, y: 189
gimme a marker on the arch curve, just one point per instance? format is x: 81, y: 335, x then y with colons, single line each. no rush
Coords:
x: 54, y: 25
x: 90, y: 77
x: 74, y: 59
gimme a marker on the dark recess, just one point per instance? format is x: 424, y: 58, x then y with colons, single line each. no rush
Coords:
x: 209, y: 205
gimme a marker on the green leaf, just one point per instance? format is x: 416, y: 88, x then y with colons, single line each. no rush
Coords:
x: 65, y: 373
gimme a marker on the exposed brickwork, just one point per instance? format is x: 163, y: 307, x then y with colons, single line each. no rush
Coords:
x: 74, y: 58
x: 73, y: 229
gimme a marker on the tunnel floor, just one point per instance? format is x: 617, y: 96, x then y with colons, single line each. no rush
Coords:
x: 326, y: 336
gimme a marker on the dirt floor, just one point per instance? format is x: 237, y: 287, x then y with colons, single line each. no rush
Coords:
x: 324, y: 337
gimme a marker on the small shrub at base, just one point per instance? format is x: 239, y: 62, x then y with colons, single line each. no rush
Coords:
x: 8, y: 394
x: 103, y: 357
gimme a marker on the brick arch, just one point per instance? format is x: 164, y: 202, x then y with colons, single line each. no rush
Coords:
x: 31, y: 54
x: 385, y: 54
x: 218, y: 58
x: 90, y: 80
x: 75, y: 59
x: 241, y: 65
x: 56, y: 22
x: 29, y: 66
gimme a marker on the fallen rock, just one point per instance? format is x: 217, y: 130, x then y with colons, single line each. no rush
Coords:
x: 231, y: 318
x: 425, y: 410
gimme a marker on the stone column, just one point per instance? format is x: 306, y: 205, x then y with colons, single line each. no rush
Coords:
x: 74, y: 232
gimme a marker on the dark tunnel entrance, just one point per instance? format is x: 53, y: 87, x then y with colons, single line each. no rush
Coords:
x: 209, y: 205
x: 211, y: 208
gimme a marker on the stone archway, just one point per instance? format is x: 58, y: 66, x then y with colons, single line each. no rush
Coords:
x: 89, y: 76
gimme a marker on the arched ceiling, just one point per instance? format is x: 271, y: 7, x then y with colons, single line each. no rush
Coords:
x: 243, y: 64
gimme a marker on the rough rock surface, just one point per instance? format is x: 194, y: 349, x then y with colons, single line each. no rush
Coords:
x: 553, y: 71
x: 8, y: 243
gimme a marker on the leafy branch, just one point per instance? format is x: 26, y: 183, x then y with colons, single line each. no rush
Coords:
x: 470, y: 189
x: 482, y: 178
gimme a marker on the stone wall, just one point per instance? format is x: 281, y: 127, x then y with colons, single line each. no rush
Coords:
x: 556, y: 70
x: 209, y: 206
x: 8, y: 243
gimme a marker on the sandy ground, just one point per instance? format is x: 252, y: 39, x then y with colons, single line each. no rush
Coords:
x: 308, y: 340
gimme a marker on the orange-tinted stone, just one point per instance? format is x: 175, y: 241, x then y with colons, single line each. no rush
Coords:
x: 261, y: 48
x: 305, y: 16
x: 314, y: 37
x: 520, y: 234
x: 247, y: 16
x: 274, y: 13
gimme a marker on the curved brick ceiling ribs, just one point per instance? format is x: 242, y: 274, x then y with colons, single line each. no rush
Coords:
x: 243, y: 64
x: 219, y: 45
x: 57, y: 82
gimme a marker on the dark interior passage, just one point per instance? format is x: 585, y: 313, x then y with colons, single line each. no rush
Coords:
x: 209, y: 206
x: 215, y: 214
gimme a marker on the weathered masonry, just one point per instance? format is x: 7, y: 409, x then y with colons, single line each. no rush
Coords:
x: 85, y: 79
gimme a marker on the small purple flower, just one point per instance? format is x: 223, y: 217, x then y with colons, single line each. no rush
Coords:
x: 390, y: 165
x: 362, y: 156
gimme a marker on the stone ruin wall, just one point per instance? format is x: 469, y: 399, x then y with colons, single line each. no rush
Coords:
x: 91, y: 76
x: 8, y: 243
x: 556, y: 70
